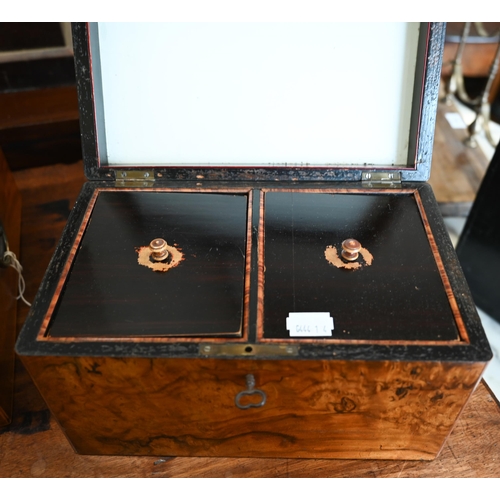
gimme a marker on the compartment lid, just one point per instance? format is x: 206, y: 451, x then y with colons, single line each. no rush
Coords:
x: 258, y: 100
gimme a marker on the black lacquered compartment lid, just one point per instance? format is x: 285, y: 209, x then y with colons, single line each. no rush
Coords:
x: 155, y: 263
x: 392, y: 289
x: 258, y: 101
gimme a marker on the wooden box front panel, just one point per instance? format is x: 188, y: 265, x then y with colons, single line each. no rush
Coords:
x: 314, y: 409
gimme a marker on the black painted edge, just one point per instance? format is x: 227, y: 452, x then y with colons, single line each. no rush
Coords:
x: 477, y: 351
x: 456, y: 277
x: 86, y: 99
x: 40, y: 305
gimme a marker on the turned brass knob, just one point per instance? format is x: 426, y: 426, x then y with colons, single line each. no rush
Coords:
x: 350, y: 249
x: 158, y: 249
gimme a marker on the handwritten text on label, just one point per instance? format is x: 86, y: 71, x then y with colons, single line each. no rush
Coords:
x: 309, y: 324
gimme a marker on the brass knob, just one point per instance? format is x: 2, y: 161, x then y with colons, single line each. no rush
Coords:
x: 158, y: 249
x: 350, y: 249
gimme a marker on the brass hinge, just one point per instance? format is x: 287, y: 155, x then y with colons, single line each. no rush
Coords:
x: 381, y: 179
x: 134, y: 178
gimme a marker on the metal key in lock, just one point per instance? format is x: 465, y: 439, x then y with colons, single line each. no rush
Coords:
x: 250, y: 391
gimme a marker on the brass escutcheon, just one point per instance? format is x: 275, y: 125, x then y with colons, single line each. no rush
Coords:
x: 158, y: 249
x: 350, y: 249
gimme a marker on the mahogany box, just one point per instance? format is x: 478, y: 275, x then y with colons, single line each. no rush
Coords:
x: 256, y: 266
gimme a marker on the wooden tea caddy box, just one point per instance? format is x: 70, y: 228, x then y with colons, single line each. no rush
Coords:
x: 255, y: 151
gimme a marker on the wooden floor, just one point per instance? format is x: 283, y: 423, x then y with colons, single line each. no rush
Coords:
x: 34, y: 445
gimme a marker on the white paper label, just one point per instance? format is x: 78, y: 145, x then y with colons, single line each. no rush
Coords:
x: 309, y: 324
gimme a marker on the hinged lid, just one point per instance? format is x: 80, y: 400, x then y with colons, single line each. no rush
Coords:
x: 319, y: 101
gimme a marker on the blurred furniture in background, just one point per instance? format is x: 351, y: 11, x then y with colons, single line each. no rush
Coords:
x: 39, y: 122
x: 477, y: 55
x: 472, y: 55
x: 10, y: 236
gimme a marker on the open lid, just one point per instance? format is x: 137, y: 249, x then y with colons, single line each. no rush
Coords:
x: 258, y: 100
